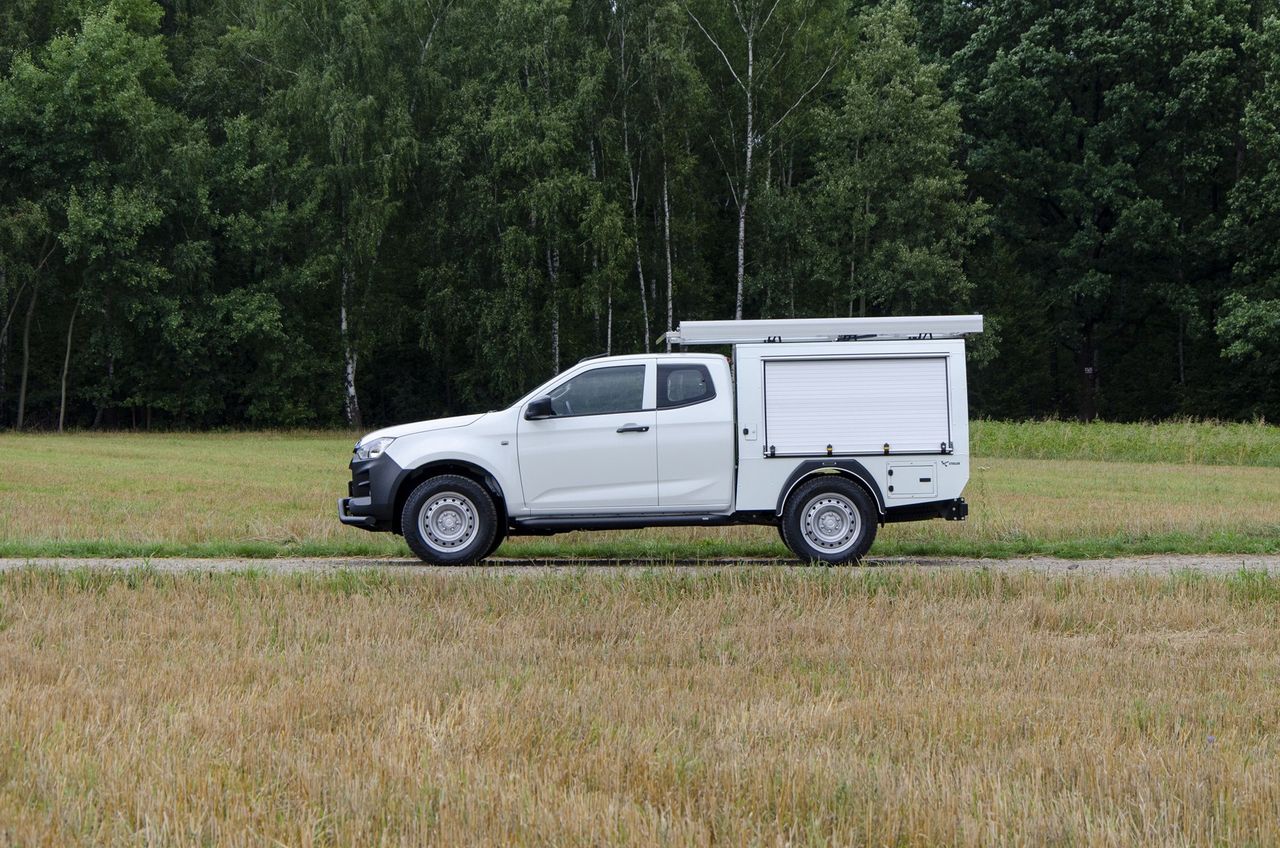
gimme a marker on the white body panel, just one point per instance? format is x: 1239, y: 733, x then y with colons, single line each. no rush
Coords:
x: 487, y: 442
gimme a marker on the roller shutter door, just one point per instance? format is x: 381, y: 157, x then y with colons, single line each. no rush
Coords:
x: 856, y: 405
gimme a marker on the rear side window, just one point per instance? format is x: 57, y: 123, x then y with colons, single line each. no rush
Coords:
x: 681, y: 385
x: 600, y: 391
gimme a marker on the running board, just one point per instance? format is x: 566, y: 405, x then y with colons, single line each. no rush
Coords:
x: 565, y: 523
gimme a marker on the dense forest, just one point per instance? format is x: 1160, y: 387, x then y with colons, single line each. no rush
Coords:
x: 254, y: 213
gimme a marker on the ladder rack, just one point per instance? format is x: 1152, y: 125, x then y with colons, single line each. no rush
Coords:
x: 824, y: 329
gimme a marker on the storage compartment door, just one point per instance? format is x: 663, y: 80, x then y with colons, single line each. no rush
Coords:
x: 856, y: 406
x: 912, y: 479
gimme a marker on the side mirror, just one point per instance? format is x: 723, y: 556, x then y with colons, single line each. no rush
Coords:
x: 539, y: 408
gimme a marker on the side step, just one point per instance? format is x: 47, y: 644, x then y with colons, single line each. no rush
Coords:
x: 566, y: 523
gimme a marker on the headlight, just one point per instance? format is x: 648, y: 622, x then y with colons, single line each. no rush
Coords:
x: 373, y: 448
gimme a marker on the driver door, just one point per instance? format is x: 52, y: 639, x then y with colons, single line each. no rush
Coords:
x: 598, y: 453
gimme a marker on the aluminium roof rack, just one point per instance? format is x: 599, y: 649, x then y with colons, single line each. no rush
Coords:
x: 824, y: 329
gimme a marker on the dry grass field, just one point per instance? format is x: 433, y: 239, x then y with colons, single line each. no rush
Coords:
x: 730, y: 707
x: 1040, y: 488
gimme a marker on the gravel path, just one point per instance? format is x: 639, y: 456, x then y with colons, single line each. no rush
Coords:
x: 1163, y: 564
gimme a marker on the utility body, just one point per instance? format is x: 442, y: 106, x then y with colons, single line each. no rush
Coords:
x: 825, y: 428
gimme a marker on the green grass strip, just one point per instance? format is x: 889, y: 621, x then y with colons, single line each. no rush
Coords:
x: 1171, y: 442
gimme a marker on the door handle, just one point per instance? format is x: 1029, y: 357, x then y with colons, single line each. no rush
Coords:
x: 633, y: 428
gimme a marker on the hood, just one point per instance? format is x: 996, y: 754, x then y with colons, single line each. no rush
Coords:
x: 422, y: 427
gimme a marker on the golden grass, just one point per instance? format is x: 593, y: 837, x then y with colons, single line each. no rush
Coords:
x: 724, y: 707
x: 223, y: 494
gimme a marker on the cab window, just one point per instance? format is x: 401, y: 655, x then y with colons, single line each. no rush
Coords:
x: 601, y: 390
x: 681, y: 385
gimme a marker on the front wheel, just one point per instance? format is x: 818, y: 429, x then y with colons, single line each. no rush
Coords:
x: 450, y: 520
x: 829, y: 519
x: 499, y: 536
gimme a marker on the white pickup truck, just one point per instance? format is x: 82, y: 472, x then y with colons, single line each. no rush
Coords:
x: 825, y: 428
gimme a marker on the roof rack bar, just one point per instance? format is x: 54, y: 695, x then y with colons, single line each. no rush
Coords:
x: 824, y: 329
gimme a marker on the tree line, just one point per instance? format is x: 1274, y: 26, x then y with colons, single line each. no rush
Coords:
x: 318, y: 212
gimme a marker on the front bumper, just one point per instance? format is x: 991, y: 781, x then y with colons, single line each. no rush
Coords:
x: 357, y: 512
x: 371, y: 494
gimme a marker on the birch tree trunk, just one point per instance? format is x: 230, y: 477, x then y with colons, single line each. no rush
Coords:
x: 17, y: 299
x: 866, y: 251
x: 351, y: 400
x: 633, y: 182
x: 744, y: 196
x: 635, y: 226
x: 553, y: 274
x: 66, y: 365
x: 4, y: 332
x: 595, y: 270
x: 26, y: 354
x: 853, y: 286
x: 4, y: 337
x: 666, y: 238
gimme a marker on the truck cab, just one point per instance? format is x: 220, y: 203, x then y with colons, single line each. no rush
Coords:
x: 826, y: 436
x: 631, y: 434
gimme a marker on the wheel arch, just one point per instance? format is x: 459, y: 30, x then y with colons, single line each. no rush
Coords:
x: 411, y: 477
x: 849, y: 469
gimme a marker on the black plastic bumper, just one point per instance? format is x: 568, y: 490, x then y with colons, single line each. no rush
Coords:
x: 371, y: 494
x: 355, y: 512
x: 955, y: 510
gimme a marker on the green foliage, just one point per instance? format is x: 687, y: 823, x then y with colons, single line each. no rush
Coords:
x: 887, y: 200
x: 1249, y: 324
x: 261, y: 214
x: 1106, y: 138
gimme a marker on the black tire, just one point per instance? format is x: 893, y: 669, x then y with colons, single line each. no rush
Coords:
x: 835, y: 509
x: 499, y: 536
x: 449, y: 520
x: 782, y: 533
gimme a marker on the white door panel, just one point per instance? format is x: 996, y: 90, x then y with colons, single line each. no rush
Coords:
x: 583, y: 464
x: 598, y: 462
x: 695, y: 439
x: 695, y: 464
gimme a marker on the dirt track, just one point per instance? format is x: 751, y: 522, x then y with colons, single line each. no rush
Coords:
x: 1162, y: 564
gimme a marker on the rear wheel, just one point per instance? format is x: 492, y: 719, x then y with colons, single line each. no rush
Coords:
x: 450, y: 520
x: 829, y: 519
